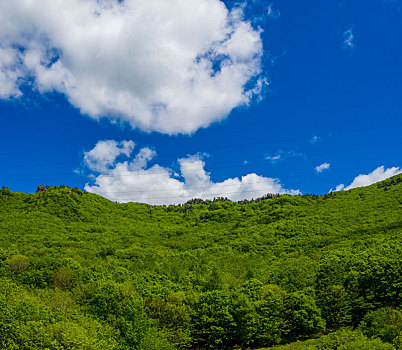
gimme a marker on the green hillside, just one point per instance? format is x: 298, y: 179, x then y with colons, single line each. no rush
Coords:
x: 80, y: 272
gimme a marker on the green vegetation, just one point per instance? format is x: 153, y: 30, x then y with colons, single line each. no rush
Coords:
x: 314, y: 272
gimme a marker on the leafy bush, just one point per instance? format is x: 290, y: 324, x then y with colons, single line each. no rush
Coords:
x: 384, y: 323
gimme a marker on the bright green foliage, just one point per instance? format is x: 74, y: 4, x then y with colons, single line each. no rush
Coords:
x: 344, y: 339
x: 213, y: 318
x: 257, y: 314
x: 80, y: 272
x: 349, y: 340
x: 301, y: 315
x: 335, y: 306
x: 384, y: 323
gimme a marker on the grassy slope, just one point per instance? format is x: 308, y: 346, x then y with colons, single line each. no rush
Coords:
x: 280, y: 241
x: 239, y: 237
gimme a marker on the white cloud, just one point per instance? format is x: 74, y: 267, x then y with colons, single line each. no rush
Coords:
x: 11, y: 72
x: 348, y: 37
x: 105, y: 153
x: 339, y: 187
x: 170, y: 66
x: 322, y: 167
x: 134, y: 180
x: 377, y: 175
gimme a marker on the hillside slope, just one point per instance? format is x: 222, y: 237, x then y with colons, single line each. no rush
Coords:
x: 81, y: 272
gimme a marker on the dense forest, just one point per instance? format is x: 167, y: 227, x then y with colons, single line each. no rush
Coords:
x: 292, y: 272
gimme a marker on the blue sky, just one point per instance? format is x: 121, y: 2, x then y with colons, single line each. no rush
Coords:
x: 308, y: 84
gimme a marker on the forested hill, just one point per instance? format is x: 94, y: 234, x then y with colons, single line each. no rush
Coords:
x: 80, y: 272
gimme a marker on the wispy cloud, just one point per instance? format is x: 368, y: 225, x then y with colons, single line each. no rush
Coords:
x: 314, y: 139
x: 322, y: 167
x: 272, y: 13
x: 273, y: 158
x: 348, y: 38
x: 283, y: 155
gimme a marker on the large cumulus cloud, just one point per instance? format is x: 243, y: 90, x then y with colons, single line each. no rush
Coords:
x: 170, y: 66
x: 124, y: 177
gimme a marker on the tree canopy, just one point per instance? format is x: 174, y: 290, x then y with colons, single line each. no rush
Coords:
x: 80, y: 272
